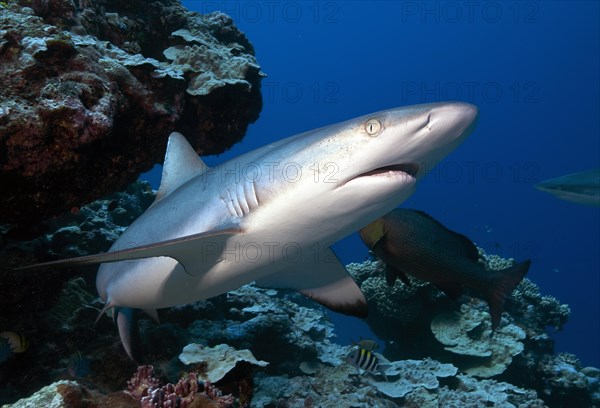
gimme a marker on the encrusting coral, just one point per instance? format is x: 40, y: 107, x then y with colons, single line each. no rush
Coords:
x: 218, y: 360
x: 469, y: 333
x: 405, y: 376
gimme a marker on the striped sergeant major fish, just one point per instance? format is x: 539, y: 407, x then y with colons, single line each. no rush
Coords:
x: 366, y: 360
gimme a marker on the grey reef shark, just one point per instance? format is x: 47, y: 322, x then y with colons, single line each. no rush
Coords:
x: 581, y: 188
x: 270, y: 215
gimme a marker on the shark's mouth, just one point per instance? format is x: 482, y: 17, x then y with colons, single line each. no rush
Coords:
x: 405, y: 169
x: 409, y: 168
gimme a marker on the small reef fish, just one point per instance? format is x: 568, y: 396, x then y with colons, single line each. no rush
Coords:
x: 16, y: 341
x: 79, y: 365
x: 368, y: 361
x: 366, y: 344
x: 581, y: 188
x: 5, y: 350
x: 411, y: 242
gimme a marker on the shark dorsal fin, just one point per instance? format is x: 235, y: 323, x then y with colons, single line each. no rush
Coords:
x: 181, y: 164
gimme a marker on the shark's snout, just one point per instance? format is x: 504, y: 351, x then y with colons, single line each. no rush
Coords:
x: 438, y: 129
x: 459, y: 118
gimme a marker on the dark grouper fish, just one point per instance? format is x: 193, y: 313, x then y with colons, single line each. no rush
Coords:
x: 411, y: 242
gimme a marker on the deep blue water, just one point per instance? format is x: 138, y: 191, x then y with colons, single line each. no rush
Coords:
x: 531, y: 67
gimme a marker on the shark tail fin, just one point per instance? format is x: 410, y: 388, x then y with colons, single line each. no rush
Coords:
x: 502, y: 284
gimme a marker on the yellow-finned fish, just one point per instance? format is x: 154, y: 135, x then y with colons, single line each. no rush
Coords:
x: 366, y: 344
x: 5, y: 351
x: 16, y: 341
x: 411, y: 242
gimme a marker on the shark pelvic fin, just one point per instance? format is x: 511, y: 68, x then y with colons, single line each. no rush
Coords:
x: 181, y: 164
x: 128, y: 331
x: 203, y: 247
x: 102, y: 312
x: 323, y: 279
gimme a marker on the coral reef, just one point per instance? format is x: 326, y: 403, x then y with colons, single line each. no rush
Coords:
x: 91, y: 228
x: 142, y: 381
x: 186, y: 393
x: 94, y: 227
x: 520, y: 352
x: 249, y: 318
x: 55, y: 310
x: 408, y: 375
x: 92, y: 89
x: 66, y: 394
x: 65, y: 312
x: 413, y: 383
x: 472, y: 393
x: 561, y: 380
x: 469, y: 333
x: 306, y: 368
x: 217, y: 361
x: 398, y: 302
x: 535, y: 311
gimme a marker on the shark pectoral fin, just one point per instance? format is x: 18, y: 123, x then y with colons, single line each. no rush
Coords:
x: 325, y: 281
x: 342, y: 296
x: 204, y: 247
x: 181, y: 164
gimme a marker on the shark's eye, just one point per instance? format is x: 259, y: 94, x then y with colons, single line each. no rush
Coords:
x: 373, y: 127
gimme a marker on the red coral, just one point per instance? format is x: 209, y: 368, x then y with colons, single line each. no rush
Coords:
x: 215, y: 394
x: 145, y: 388
x: 187, y: 387
x: 142, y: 382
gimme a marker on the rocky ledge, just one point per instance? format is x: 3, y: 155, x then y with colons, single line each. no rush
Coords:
x: 91, y: 90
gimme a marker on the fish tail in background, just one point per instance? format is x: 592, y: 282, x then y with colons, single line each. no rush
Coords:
x: 503, y: 283
x: 128, y: 331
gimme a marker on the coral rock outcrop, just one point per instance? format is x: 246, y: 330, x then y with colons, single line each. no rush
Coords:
x: 92, y: 89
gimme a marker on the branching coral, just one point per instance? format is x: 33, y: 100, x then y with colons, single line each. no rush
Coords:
x: 218, y: 360
x: 145, y: 388
x: 142, y: 381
